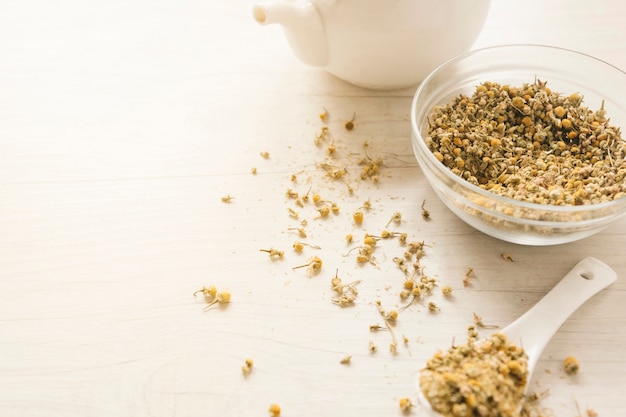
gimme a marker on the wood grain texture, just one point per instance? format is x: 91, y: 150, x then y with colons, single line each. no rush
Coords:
x: 122, y: 124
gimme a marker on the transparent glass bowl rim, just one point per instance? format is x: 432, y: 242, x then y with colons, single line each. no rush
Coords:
x: 474, y: 188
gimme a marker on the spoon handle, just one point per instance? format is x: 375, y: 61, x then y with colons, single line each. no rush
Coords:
x: 534, y: 329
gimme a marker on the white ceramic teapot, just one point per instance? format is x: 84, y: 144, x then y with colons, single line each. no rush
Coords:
x: 381, y: 44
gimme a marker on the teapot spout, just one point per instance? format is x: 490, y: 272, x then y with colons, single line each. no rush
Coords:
x: 303, y: 28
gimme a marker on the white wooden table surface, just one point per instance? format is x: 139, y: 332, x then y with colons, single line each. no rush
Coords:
x: 123, y: 123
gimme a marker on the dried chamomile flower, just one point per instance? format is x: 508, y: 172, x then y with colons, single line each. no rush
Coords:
x: 469, y: 276
x: 300, y: 230
x: 446, y: 290
x: 227, y: 199
x: 305, y: 197
x: 274, y: 410
x: 208, y: 292
x: 592, y: 413
x: 357, y: 217
x: 336, y: 283
x: 346, y: 293
x: 405, y: 404
x: 507, y: 257
x: 346, y: 360
x: 246, y: 368
x: 369, y: 240
x: 313, y: 266
x: 265, y: 155
x: 372, y: 346
x: 222, y: 297
x: 365, y: 251
x: 425, y: 213
x: 324, y: 115
x: 401, y: 264
x: 292, y: 213
x: 331, y: 148
x: 360, y: 258
x: 416, y: 248
x: 478, y: 321
x: 253, y: 170
x: 376, y: 327
x: 322, y: 136
x: 388, y: 317
x: 371, y: 168
x: 349, y: 125
x: 432, y: 307
x: 396, y: 218
x: 274, y: 253
x: 349, y: 238
x: 571, y: 365
x: 291, y: 193
x: 324, y: 211
x: 391, y: 316
x: 472, y: 333
x: 415, y: 292
x: 333, y: 171
x: 299, y: 246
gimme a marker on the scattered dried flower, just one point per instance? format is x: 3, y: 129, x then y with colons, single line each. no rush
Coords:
x: 592, y: 413
x: 227, y: 199
x: 222, y: 297
x: 571, y: 365
x: 313, y: 266
x: 478, y: 321
x: 274, y: 253
x: 425, y: 213
x: 346, y: 360
x: 349, y: 125
x: 507, y: 257
x: 469, y: 277
x: 324, y: 115
x: 291, y: 193
x: 208, y: 292
x: 446, y: 290
x: 395, y: 218
x: 274, y: 410
x: 405, y: 404
x: 299, y: 246
x: 246, y: 368
x: 300, y: 230
x: 292, y: 213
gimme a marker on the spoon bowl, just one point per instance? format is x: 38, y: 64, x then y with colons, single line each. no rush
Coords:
x: 534, y: 329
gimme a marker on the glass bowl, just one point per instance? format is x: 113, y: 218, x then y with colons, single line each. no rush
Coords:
x: 505, y: 218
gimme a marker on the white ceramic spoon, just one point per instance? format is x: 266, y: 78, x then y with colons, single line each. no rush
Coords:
x: 534, y: 329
